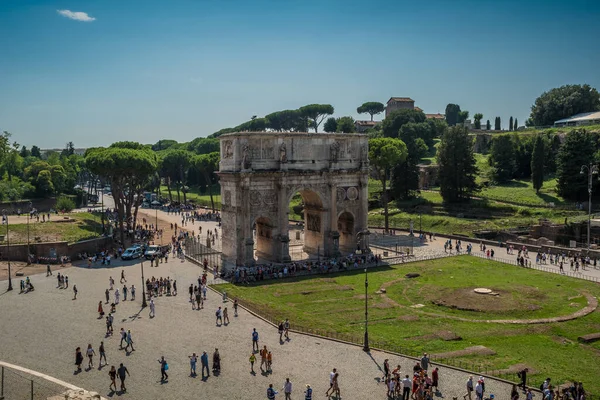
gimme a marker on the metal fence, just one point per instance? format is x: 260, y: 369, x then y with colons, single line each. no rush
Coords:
x: 18, y: 385
x: 196, y: 250
x: 539, y: 267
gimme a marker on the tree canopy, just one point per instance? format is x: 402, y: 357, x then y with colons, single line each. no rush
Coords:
x: 452, y: 111
x: 128, y: 170
x: 563, y: 102
x: 316, y: 113
x: 394, y: 121
x: 384, y: 154
x: 371, y: 108
x: 457, y: 167
x: 578, y: 149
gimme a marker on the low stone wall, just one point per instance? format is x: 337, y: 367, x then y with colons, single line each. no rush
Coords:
x: 18, y: 252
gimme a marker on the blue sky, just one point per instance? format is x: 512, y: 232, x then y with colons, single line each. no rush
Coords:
x: 149, y: 70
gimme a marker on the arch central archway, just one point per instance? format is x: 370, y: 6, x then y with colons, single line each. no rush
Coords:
x: 313, y: 217
x: 265, y: 233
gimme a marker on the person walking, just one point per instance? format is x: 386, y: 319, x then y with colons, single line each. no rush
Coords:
x: 204, y: 362
x: 216, y: 361
x: 219, y: 315
x: 74, y: 292
x: 286, y: 329
x: 425, y: 362
x: 523, y: 377
x: 280, y: 330
x: 90, y: 354
x: 152, y: 310
x: 113, y: 378
x: 78, y: 358
x: 66, y: 282
x: 308, y: 392
x: 435, y: 377
x: 129, y: 341
x: 132, y: 292
x: 122, y: 276
x: 263, y: 357
x: 117, y: 296
x: 469, y: 389
x: 336, y: 384
x: 102, y: 352
x: 100, y: 310
x: 124, y: 293
x: 123, y: 372
x: 164, y: 367
x: 269, y: 361
x: 287, y: 389
x: 252, y: 361
x: 254, y: 340
x: 331, y: 375
x: 193, y: 360
x: 386, y: 369
x: 111, y: 282
x: 48, y: 270
x: 235, y: 307
x: 406, y: 386
x: 225, y: 316
x: 271, y: 393
x: 107, y: 295
x: 123, y: 337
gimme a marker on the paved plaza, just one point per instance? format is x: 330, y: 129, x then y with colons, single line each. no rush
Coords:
x: 40, y: 331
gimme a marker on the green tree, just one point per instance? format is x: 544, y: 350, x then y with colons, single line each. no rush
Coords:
x: 497, y: 124
x: 523, y: 145
x: 563, y: 102
x: 477, y: 117
x: 537, y: 163
x: 515, y: 124
x: 463, y: 116
x: 330, y: 125
x: 65, y: 204
x: 35, y: 151
x: 69, y: 150
x: 578, y: 149
x: 164, y: 144
x: 345, y: 125
x: 457, y: 167
x: 24, y: 152
x: 393, y: 122
x: 176, y: 163
x: 412, y: 131
x: 488, y: 126
x: 371, y: 108
x: 503, y: 158
x: 128, y: 171
x: 126, y: 144
x: 207, y: 165
x: 384, y: 154
x: 452, y: 111
x: 510, y: 123
x: 203, y: 145
x: 316, y: 113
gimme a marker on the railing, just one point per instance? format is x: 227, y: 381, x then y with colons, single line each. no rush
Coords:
x: 539, y: 267
x: 17, y: 385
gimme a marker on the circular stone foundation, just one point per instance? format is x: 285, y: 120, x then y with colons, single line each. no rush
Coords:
x: 482, y: 290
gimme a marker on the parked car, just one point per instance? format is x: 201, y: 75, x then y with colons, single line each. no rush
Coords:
x: 132, y: 253
x: 151, y: 251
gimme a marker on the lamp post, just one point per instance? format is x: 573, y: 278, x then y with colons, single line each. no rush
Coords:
x: 592, y: 169
x: 5, y: 219
x: 366, y: 344
x: 28, y: 248
x: 102, y: 210
x: 144, y: 304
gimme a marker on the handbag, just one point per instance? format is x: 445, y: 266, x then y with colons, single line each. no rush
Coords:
x: 166, y: 367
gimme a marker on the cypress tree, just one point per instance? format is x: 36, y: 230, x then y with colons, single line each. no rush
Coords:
x: 510, y: 124
x: 537, y: 163
x: 516, y: 124
x: 488, y: 126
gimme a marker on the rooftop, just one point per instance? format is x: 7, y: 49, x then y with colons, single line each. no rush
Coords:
x: 435, y: 116
x: 373, y: 123
x: 580, y: 117
x: 401, y: 99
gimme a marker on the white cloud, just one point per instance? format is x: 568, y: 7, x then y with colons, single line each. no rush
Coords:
x: 76, y: 15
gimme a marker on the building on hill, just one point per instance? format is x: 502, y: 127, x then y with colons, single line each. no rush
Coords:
x: 588, y: 118
x: 435, y: 116
x: 399, y: 103
x: 362, y: 126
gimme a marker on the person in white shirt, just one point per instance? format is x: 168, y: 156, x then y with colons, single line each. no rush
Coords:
x: 406, y: 386
x: 287, y: 389
x: 391, y: 387
x: 331, y: 375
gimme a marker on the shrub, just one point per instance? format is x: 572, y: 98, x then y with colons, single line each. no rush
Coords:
x: 64, y: 204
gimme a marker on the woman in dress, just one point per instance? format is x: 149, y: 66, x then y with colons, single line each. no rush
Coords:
x: 100, y: 310
x: 113, y: 376
x: 78, y: 358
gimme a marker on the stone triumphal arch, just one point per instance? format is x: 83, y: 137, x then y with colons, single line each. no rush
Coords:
x: 261, y: 171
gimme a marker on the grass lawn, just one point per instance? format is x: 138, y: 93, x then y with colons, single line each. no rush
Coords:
x: 195, y: 195
x: 521, y: 191
x: 335, y: 304
x: 85, y: 226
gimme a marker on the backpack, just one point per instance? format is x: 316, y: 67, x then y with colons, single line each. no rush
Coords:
x: 542, y: 387
x: 216, y: 313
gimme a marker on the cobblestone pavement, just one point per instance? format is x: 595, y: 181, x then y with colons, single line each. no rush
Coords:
x: 40, y: 330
